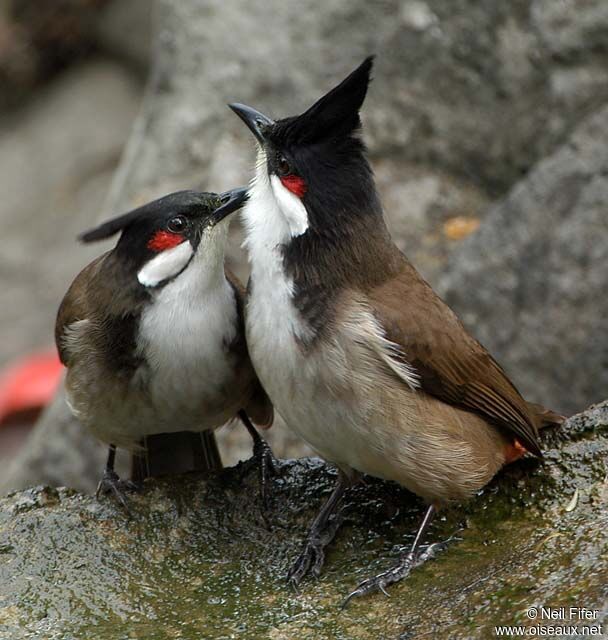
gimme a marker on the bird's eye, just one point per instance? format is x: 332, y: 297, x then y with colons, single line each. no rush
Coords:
x: 177, y: 224
x: 283, y: 166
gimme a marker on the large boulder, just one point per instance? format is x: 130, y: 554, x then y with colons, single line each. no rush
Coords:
x: 532, y: 282
x: 483, y: 90
x: 199, y: 559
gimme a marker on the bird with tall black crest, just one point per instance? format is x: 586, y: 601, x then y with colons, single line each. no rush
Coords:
x: 356, y: 351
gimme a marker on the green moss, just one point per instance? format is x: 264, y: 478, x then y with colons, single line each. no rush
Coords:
x: 198, y: 559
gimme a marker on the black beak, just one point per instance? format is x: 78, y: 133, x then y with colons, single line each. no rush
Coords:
x: 257, y: 122
x: 230, y: 202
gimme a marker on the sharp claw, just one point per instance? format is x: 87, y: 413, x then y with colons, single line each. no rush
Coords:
x: 132, y: 486
x: 292, y: 573
x: 348, y: 598
x: 310, y: 560
x: 316, y: 569
x: 321, y: 533
x: 120, y: 497
x: 269, y: 461
x: 364, y: 588
x: 294, y: 585
x: 395, y: 574
x: 111, y: 483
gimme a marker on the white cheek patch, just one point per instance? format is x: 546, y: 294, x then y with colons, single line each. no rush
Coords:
x: 165, y: 265
x: 291, y: 206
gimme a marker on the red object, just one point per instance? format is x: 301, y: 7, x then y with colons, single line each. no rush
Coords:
x: 295, y: 184
x: 514, y: 452
x: 29, y: 384
x: 162, y: 240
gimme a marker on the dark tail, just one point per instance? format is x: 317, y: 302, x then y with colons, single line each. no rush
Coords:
x: 173, y: 453
x: 546, y: 418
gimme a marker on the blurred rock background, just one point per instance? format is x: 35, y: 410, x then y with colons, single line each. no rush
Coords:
x: 487, y: 125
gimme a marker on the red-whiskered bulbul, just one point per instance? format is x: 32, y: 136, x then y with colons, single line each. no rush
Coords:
x: 356, y: 351
x: 152, y: 332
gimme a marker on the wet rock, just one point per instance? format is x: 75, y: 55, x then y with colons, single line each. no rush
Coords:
x: 532, y: 281
x: 198, y: 554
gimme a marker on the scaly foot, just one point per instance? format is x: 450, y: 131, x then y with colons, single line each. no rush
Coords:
x: 111, y: 483
x: 312, y: 558
x: 394, y: 574
x: 268, y: 466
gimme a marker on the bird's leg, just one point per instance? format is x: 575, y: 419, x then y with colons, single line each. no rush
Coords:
x: 321, y: 533
x: 262, y: 453
x: 413, y: 558
x: 111, y: 483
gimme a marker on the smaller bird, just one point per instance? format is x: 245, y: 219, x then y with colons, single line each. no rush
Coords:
x: 152, y: 333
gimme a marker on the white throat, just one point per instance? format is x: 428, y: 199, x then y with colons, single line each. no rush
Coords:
x: 184, y: 330
x: 273, y: 215
x: 165, y: 265
x: 201, y: 270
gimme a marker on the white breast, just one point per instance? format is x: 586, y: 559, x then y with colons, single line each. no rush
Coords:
x: 273, y: 324
x: 327, y: 395
x: 183, y: 336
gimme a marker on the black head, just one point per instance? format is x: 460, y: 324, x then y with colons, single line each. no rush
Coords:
x: 159, y: 239
x: 319, y: 156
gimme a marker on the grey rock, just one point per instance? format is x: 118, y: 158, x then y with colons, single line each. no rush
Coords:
x: 124, y: 29
x: 58, y: 452
x: 56, y: 162
x: 569, y: 29
x: 456, y: 85
x: 38, y: 40
x: 198, y: 559
x: 532, y: 282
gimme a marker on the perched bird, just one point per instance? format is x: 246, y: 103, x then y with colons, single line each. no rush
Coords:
x: 152, y: 332
x: 356, y: 351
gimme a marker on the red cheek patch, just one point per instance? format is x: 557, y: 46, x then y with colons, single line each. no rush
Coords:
x: 163, y: 240
x: 295, y: 184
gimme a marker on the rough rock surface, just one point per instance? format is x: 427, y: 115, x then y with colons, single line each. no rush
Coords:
x: 198, y: 560
x: 532, y: 282
x: 483, y: 90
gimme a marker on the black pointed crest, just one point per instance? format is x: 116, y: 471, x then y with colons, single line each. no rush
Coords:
x: 337, y: 112
x: 109, y: 228
x: 173, y: 202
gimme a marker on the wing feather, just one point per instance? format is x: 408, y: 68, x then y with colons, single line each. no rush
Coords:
x: 451, y: 365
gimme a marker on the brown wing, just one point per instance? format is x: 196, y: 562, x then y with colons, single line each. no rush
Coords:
x: 259, y: 408
x: 451, y: 364
x: 74, y: 306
